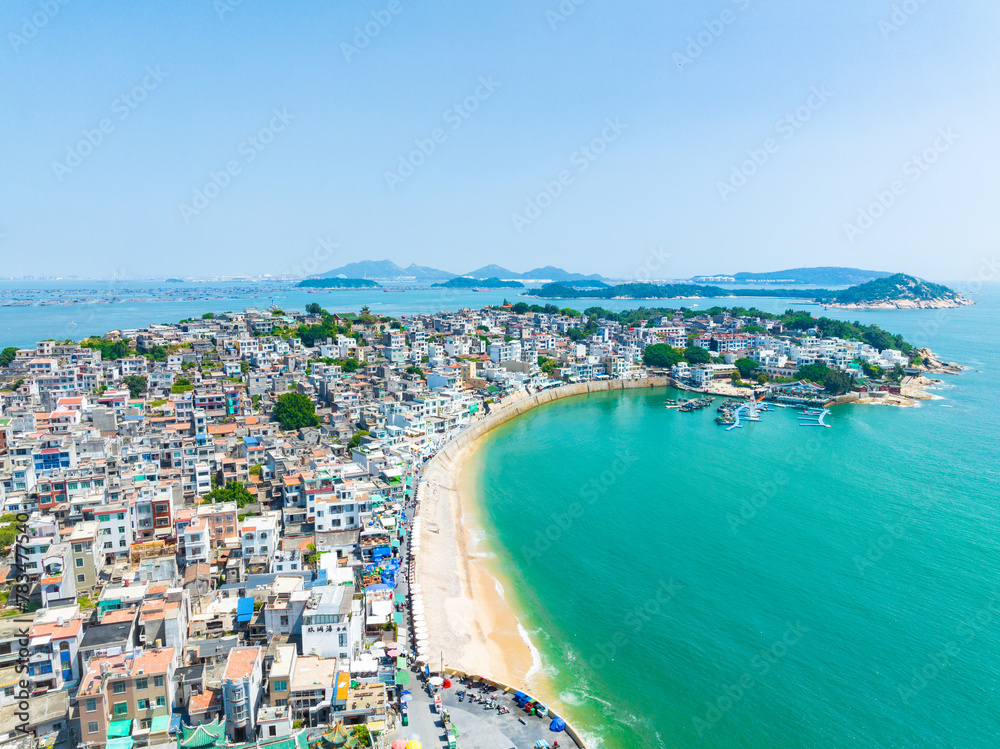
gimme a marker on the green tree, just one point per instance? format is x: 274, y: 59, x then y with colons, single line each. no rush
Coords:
x: 746, y: 367
x: 295, y: 411
x: 350, y: 365
x: 244, y: 367
x: 181, y: 385
x: 314, y: 309
x: 136, y: 384
x: 661, y: 355
x: 234, y: 491
x: 7, y: 356
x: 697, y: 355
x: 356, y: 439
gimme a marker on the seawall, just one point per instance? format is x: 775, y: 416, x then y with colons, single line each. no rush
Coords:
x: 506, y: 413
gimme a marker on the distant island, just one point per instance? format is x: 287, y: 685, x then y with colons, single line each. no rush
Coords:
x: 339, y: 283
x: 897, y: 291
x: 461, y: 282
x: 820, y: 276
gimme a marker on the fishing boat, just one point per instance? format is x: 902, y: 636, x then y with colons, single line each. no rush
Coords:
x: 670, y: 403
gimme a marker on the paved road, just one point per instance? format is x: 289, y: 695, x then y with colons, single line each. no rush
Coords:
x: 478, y: 727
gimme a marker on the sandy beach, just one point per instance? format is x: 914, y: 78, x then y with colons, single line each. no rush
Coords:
x: 469, y: 621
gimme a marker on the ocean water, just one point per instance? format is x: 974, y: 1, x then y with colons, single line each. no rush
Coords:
x: 143, y: 302
x: 773, y: 586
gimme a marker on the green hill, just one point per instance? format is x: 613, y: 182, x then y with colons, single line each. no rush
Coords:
x: 894, y: 289
x: 461, y: 282
x: 339, y: 283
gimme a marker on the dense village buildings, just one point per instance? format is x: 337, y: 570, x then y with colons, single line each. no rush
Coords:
x: 153, y: 611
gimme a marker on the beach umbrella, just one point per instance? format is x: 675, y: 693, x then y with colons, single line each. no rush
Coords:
x: 414, y: 745
x: 413, y: 737
x: 406, y: 698
x: 447, y: 684
x: 436, y: 681
x: 557, y: 724
x: 398, y: 744
x: 393, y: 653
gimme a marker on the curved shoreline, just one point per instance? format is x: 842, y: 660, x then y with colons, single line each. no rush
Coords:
x: 471, y: 624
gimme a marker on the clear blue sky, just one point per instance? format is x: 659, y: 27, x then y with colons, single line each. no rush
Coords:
x: 887, y: 90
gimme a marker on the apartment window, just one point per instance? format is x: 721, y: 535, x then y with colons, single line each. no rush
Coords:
x: 160, y: 522
x: 145, y: 723
x: 142, y: 704
x: 119, y: 688
x: 284, y: 621
x: 272, y: 731
x: 280, y: 685
x: 157, y: 681
x: 121, y: 515
x: 142, y: 683
x: 343, y: 640
x: 79, y: 562
x: 105, y: 518
x: 161, y: 701
x: 81, y: 578
x: 92, y: 727
x: 91, y: 705
x: 121, y: 529
x: 121, y: 708
x: 77, y: 548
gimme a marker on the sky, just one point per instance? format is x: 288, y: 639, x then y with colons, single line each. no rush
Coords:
x: 633, y: 139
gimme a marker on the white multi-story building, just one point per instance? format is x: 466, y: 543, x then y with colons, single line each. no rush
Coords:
x: 241, y: 692
x: 260, y: 535
x: 114, y: 531
x: 331, y: 623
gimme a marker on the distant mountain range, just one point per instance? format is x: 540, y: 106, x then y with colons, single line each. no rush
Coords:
x: 822, y: 276
x: 386, y: 270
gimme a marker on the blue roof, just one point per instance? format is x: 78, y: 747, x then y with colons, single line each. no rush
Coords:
x: 244, y: 609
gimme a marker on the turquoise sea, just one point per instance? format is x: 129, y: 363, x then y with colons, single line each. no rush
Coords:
x: 773, y: 586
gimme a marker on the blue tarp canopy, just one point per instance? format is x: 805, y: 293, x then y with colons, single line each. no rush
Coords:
x: 377, y: 586
x: 244, y: 609
x: 557, y: 724
x: 175, y: 722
